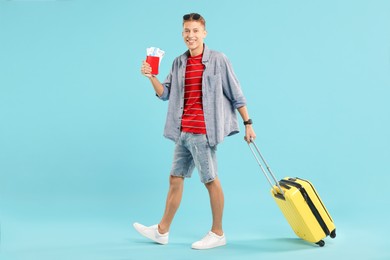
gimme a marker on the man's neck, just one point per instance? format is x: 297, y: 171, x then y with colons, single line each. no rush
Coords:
x: 196, y: 52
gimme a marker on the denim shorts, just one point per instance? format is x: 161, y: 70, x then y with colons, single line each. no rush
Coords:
x: 193, y: 150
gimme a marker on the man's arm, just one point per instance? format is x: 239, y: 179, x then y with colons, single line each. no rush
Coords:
x: 146, y: 70
x: 249, y: 132
x: 158, y: 87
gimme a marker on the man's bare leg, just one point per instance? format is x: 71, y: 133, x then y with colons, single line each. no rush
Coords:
x: 174, y: 196
x: 217, y: 203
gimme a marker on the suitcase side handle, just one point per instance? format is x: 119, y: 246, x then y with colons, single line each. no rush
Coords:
x: 267, y: 166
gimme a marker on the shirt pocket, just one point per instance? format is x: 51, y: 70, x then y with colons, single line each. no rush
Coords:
x: 214, y: 82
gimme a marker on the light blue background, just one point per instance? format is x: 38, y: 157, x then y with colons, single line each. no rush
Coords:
x: 81, y: 149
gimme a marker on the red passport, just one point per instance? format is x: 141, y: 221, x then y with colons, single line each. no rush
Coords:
x: 154, y: 63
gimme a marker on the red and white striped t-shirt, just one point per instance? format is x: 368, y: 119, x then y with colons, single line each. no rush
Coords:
x: 193, y: 118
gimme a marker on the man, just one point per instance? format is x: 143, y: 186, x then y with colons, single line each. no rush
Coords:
x: 203, y: 93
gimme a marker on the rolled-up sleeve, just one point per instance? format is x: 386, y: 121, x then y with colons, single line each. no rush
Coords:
x: 231, y: 85
x: 167, y: 87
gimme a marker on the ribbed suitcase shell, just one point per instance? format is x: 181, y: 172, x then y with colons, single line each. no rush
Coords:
x: 304, y: 210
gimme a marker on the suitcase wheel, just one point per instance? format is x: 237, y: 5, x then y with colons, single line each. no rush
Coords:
x: 333, y: 233
x: 321, y: 243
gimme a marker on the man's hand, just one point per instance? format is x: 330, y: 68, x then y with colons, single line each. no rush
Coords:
x: 249, y: 134
x: 146, y: 70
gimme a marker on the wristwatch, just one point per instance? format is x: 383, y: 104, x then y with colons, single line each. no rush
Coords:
x: 248, y: 122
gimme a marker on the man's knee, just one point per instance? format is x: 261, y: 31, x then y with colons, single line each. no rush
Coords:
x: 175, y: 182
x: 214, y: 184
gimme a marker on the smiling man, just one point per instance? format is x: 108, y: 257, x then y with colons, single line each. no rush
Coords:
x: 203, y: 94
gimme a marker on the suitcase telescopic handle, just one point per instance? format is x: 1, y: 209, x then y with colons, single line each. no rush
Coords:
x: 267, y: 166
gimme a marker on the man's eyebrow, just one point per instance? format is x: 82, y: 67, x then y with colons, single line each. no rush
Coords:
x: 195, y: 28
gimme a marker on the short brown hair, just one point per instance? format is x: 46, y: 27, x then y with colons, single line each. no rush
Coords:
x: 194, y: 17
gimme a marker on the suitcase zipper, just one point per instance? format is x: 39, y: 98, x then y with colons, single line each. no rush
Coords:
x: 317, y: 197
x: 310, y: 203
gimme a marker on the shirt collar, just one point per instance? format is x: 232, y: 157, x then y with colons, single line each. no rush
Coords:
x: 205, y: 57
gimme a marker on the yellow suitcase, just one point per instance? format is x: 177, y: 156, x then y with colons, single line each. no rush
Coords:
x: 301, y: 205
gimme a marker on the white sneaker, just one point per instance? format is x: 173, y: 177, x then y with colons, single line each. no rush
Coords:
x: 211, y: 240
x: 152, y: 233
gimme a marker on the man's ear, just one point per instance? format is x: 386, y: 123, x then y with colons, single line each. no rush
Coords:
x: 204, y: 34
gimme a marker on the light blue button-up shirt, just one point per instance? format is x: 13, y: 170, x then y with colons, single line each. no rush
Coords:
x: 221, y: 94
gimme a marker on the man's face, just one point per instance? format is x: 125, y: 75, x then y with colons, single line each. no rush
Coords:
x: 193, y: 35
